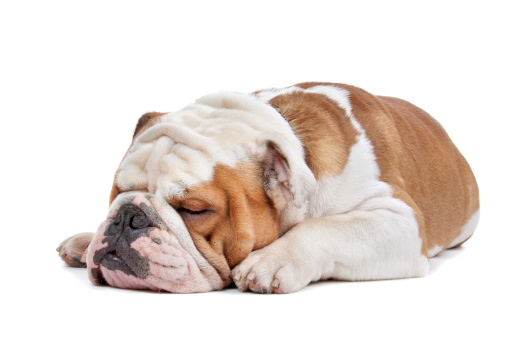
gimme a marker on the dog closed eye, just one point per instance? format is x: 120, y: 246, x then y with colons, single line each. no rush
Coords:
x: 192, y: 213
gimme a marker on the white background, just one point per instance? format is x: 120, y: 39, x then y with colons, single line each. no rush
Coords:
x: 76, y: 75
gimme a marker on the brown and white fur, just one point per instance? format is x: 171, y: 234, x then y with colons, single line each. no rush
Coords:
x: 279, y: 188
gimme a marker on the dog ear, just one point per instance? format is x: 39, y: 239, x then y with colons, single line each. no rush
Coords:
x: 145, y: 122
x: 286, y: 175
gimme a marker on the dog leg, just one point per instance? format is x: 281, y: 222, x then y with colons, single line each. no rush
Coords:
x: 367, y: 244
x: 73, y: 250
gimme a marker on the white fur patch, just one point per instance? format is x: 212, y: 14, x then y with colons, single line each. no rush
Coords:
x: 435, y: 251
x: 467, y: 230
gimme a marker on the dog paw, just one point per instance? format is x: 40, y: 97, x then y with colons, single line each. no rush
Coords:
x: 273, y: 271
x: 73, y: 250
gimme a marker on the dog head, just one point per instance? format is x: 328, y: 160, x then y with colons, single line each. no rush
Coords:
x: 196, y: 192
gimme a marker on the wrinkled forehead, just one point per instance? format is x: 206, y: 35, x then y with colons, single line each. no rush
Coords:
x: 181, y: 150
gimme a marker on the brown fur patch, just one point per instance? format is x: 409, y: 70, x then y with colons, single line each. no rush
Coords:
x: 242, y: 218
x: 322, y: 126
x: 419, y: 161
x: 115, y: 191
x: 435, y: 173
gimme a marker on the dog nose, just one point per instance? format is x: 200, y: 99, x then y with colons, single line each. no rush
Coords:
x: 131, y: 216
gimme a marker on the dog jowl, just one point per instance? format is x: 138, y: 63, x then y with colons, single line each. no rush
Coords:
x: 279, y: 188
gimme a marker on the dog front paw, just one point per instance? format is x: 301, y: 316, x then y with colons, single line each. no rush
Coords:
x: 272, y: 270
x: 73, y: 250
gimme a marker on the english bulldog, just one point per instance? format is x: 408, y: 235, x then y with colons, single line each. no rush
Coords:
x: 278, y: 188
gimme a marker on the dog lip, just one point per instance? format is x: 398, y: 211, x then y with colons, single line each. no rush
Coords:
x: 112, y: 261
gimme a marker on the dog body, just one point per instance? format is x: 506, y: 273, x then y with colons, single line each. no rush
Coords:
x: 280, y: 188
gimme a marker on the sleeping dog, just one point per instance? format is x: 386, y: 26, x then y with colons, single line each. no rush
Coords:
x: 278, y: 188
